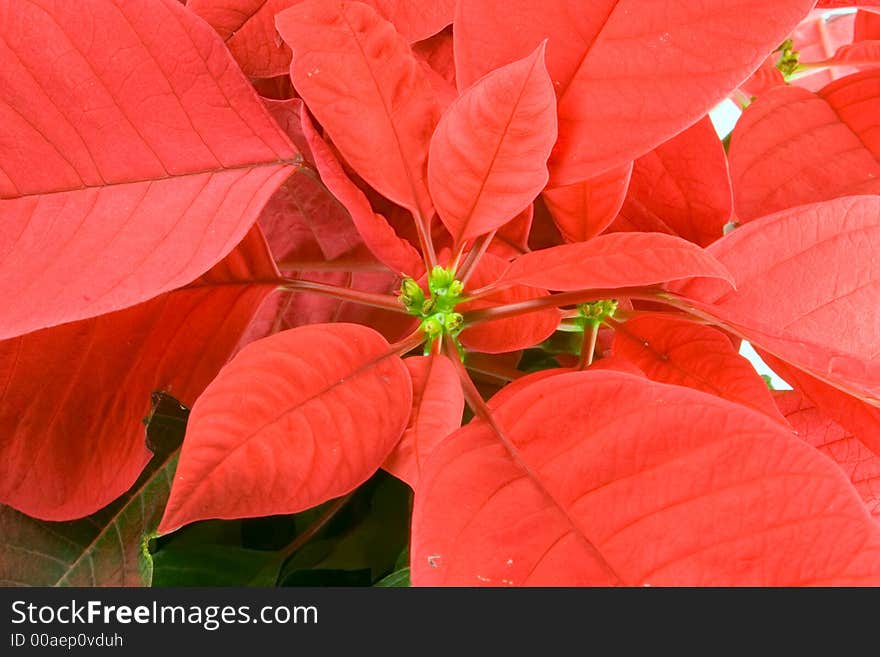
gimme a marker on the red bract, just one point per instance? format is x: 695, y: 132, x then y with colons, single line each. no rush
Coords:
x: 537, y: 230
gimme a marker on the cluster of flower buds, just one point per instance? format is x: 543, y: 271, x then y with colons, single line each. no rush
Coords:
x: 437, y: 308
x: 595, y: 312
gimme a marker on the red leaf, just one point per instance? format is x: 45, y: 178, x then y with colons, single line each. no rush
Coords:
x: 857, y: 462
x: 305, y: 223
x: 302, y: 309
x: 488, y: 156
x: 866, y: 26
x: 248, y: 27
x: 629, y: 75
x: 824, y: 144
x: 437, y: 406
x: 510, y: 334
x: 373, y: 228
x: 825, y: 253
x: 492, y: 33
x: 437, y: 53
x: 687, y: 354
x: 293, y: 420
x: 856, y: 416
x: 616, y: 260
x: 73, y: 395
x: 511, y: 389
x: 288, y: 113
x: 765, y: 78
x: 130, y: 173
x: 416, y: 19
x: 360, y: 79
x: 682, y: 188
x: 512, y: 239
x: 636, y: 483
x: 584, y: 209
x: 834, y: 4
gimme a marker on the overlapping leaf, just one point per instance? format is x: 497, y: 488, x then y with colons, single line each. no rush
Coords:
x: 823, y: 144
x: 73, y: 396
x: 688, y: 354
x: 584, y: 209
x: 125, y: 172
x: 360, y: 79
x: 807, y: 288
x: 615, y: 260
x: 860, y: 464
x: 373, y: 228
x: 438, y: 402
x: 629, y: 75
x: 618, y: 480
x: 101, y: 550
x: 293, y: 420
x: 682, y: 187
x: 248, y: 27
x: 488, y: 158
x: 505, y: 334
x: 859, y: 418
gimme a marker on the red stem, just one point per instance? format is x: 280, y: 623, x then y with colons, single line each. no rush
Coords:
x: 423, y: 228
x: 409, y: 343
x: 481, y: 244
x: 339, y: 264
x: 588, y: 346
x: 475, y: 317
x: 310, y: 531
x: 384, y: 301
x: 480, y: 363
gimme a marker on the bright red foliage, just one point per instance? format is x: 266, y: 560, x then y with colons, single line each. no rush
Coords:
x: 442, y: 203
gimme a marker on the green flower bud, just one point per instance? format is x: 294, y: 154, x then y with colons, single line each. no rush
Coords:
x: 432, y: 328
x: 453, y: 322
x: 596, y: 311
x: 410, y: 288
x: 440, y: 278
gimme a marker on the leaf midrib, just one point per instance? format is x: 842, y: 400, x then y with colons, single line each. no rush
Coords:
x: 293, y: 162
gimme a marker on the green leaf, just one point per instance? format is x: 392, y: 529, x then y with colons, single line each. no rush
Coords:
x: 104, y: 549
x: 377, y: 530
x: 398, y: 578
x: 109, y: 547
x: 214, y: 565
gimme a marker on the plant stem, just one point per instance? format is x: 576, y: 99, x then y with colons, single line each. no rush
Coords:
x: 423, y: 228
x: 384, y: 301
x: 588, y: 346
x: 409, y: 343
x: 477, y: 362
x: 482, y: 315
x: 481, y: 244
x: 310, y: 531
x: 339, y: 264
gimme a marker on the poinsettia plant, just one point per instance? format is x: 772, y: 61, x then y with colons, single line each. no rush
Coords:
x: 495, y: 249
